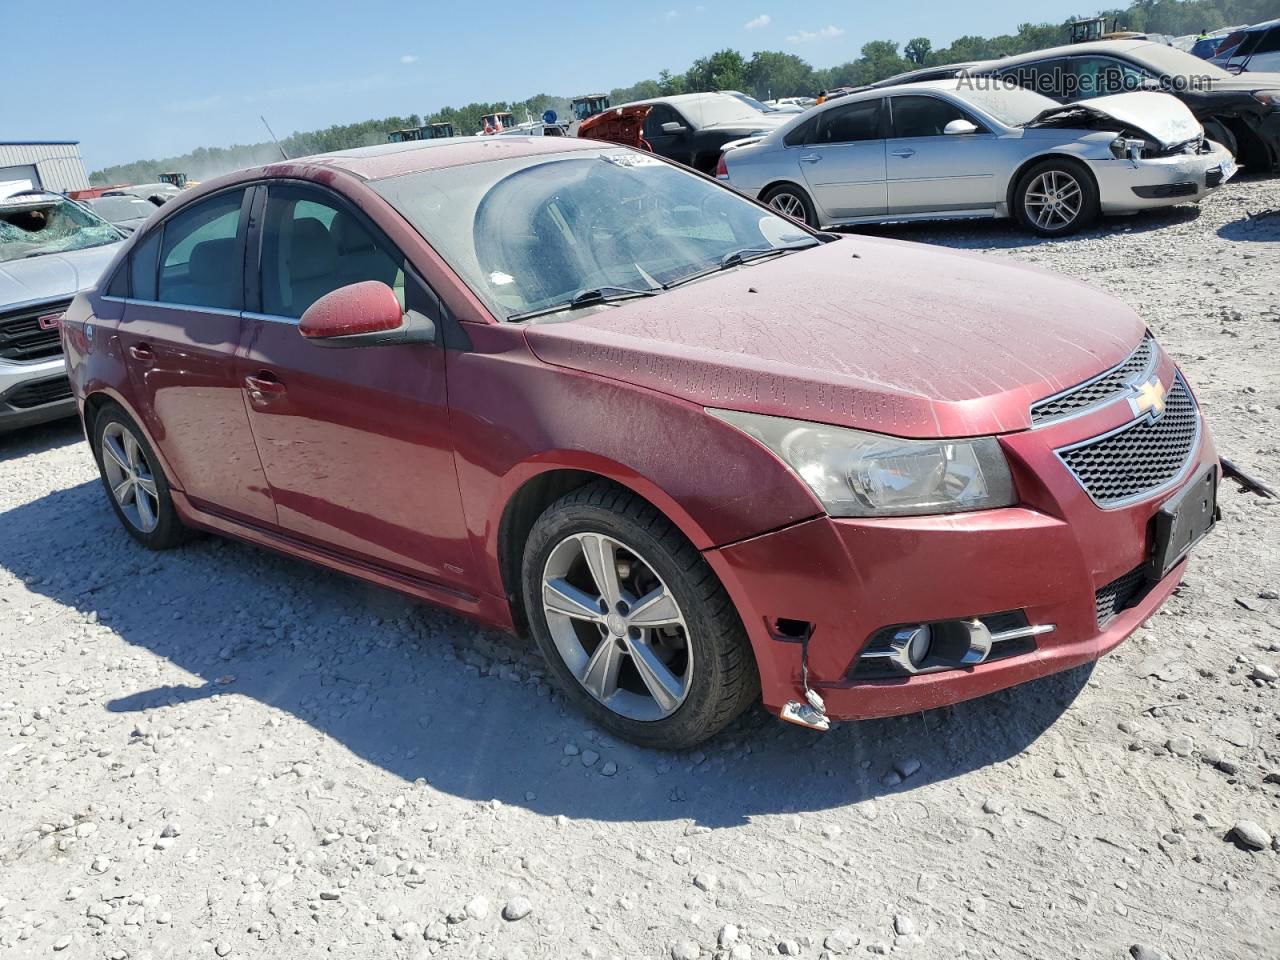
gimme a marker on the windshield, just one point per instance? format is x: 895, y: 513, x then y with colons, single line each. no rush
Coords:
x: 1012, y: 106
x: 1175, y: 63
x: 752, y: 102
x: 718, y: 108
x: 117, y: 209
x: 531, y: 232
x: 37, y: 225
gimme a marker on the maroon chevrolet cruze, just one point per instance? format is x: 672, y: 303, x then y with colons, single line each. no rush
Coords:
x: 702, y: 453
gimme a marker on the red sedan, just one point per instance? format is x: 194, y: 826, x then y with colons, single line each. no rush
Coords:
x: 702, y: 453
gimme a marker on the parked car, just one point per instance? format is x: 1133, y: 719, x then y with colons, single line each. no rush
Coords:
x: 155, y: 193
x: 126, y: 211
x: 50, y: 249
x: 955, y: 149
x: 1242, y: 113
x: 760, y: 105
x: 691, y: 128
x: 1254, y: 49
x: 1206, y: 47
x: 703, y: 453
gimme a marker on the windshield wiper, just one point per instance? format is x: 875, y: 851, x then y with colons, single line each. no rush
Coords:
x: 588, y: 298
x: 737, y: 258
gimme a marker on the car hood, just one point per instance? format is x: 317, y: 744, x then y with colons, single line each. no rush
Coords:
x: 1248, y: 81
x: 53, y: 276
x: 1163, y: 118
x: 763, y: 121
x: 894, y: 337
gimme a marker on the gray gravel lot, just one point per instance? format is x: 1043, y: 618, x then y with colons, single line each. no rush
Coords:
x: 220, y: 752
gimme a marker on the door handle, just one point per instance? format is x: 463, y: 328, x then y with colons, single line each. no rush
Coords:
x: 142, y: 353
x: 904, y: 152
x: 811, y: 158
x: 263, y: 386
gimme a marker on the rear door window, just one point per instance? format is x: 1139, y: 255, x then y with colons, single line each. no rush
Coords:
x: 850, y: 123
x: 201, y: 258
x: 1103, y: 77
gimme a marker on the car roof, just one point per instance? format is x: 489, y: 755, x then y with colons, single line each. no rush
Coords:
x: 397, y: 159
x: 1071, y: 50
x: 678, y: 98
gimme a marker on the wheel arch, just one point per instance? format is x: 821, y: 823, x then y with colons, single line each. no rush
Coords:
x: 96, y: 399
x: 1030, y: 162
x: 535, y: 487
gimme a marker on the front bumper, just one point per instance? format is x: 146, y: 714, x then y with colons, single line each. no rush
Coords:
x: 1048, y: 558
x: 1125, y: 186
x: 32, y: 393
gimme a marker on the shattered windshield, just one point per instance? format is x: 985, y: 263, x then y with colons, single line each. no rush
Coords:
x: 32, y: 226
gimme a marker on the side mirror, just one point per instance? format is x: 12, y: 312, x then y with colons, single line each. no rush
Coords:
x: 672, y: 127
x: 365, y: 314
x: 958, y: 128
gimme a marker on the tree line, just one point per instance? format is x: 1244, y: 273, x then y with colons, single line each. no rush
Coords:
x: 765, y: 74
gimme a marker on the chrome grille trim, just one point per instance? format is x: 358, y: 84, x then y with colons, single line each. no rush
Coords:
x: 1116, y: 468
x: 1110, y: 385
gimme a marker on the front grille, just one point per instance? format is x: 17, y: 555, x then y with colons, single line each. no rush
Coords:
x: 1141, y: 458
x: 1120, y: 594
x: 39, y: 392
x: 1100, y: 389
x: 23, y: 339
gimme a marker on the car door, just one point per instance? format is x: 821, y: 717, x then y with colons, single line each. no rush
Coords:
x: 929, y: 170
x: 675, y: 144
x: 843, y: 160
x: 179, y: 333
x: 355, y: 442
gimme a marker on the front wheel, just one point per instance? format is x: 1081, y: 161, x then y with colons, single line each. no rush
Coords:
x: 793, y: 202
x: 634, y: 625
x: 1219, y: 132
x: 1055, y: 198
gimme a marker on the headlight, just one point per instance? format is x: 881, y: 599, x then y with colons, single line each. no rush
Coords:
x: 1122, y: 147
x: 857, y: 474
x: 1270, y: 97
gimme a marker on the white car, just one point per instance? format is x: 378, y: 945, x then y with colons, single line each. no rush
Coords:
x: 977, y: 147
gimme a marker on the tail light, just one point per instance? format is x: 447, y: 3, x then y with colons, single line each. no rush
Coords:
x: 722, y: 169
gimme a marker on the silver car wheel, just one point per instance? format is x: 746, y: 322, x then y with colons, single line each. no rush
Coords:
x: 1053, y: 200
x: 130, y: 476
x: 789, y: 204
x: 617, y: 626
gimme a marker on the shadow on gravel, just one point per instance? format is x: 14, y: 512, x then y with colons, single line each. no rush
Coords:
x: 28, y: 441
x: 374, y: 671
x: 1260, y: 227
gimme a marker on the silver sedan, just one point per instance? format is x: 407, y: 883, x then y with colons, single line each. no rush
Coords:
x: 977, y: 148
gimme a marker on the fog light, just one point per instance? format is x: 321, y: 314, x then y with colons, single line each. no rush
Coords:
x: 910, y: 646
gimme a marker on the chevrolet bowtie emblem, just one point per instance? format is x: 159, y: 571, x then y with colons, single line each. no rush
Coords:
x: 1149, y: 397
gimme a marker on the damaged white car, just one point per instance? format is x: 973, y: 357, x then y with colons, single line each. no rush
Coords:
x: 977, y: 148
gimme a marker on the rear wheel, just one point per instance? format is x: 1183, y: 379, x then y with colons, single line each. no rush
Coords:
x: 636, y: 628
x: 793, y: 202
x: 135, y: 484
x: 1055, y: 197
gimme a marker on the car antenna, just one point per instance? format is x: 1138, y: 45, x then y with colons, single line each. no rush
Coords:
x: 273, y: 135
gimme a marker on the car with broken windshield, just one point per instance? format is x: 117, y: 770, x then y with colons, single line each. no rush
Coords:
x: 979, y: 147
x: 50, y: 250
x: 704, y: 455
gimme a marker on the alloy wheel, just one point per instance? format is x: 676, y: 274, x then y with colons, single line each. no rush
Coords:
x: 130, y: 477
x: 1053, y: 200
x: 617, y: 626
x: 789, y: 204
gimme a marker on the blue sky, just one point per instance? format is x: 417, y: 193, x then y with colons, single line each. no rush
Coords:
x: 135, y: 80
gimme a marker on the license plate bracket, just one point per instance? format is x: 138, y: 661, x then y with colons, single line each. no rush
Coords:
x: 1184, y: 520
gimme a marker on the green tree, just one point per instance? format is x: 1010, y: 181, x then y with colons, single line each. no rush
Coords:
x: 723, y: 70
x: 771, y: 73
x: 917, y: 51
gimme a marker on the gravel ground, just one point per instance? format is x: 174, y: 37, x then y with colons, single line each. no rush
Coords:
x: 219, y: 752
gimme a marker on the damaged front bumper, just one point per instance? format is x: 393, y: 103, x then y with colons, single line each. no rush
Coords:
x: 1130, y: 184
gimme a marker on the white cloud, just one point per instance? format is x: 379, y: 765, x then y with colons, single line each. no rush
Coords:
x: 760, y: 21
x: 408, y: 58
x: 825, y: 33
x: 672, y: 14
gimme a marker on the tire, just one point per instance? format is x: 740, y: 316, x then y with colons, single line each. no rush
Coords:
x: 146, y: 509
x: 1219, y: 132
x: 1070, y: 183
x: 707, y: 674
x: 791, y: 201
